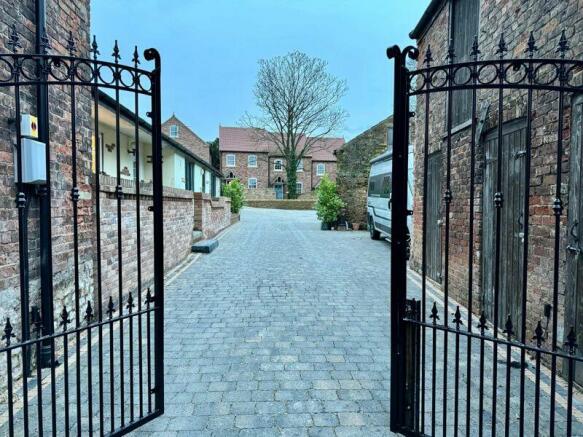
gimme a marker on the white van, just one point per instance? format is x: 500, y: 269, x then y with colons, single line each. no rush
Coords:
x: 380, y: 186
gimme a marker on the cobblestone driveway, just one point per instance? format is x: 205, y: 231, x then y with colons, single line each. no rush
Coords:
x: 283, y: 330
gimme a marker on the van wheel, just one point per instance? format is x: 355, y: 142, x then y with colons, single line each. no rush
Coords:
x: 374, y: 234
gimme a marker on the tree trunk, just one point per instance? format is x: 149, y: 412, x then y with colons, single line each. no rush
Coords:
x: 292, y: 177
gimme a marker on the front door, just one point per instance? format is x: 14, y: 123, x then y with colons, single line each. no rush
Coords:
x: 434, y: 220
x: 513, y: 150
x: 574, y: 279
x: 279, y: 191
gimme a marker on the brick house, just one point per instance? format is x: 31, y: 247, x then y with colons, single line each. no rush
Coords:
x: 174, y: 128
x: 261, y: 168
x: 458, y: 21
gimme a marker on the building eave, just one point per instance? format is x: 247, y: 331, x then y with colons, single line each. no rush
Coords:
x: 427, y: 18
x: 130, y: 116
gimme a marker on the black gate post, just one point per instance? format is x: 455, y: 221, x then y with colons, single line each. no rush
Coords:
x: 399, y: 235
x: 152, y: 54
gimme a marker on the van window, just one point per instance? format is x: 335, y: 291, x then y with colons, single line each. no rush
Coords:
x: 380, y: 185
x: 387, y: 186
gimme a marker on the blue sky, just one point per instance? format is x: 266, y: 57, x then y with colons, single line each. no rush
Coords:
x: 210, y: 49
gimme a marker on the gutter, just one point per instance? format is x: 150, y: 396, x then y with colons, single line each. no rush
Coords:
x: 427, y: 18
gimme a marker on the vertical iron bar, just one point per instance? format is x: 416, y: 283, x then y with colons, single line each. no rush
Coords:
x: 475, y: 54
x: 433, y: 373
x: 507, y: 406
x: 456, y: 387
x: 119, y: 235
x: 398, y: 237
x: 66, y: 380
x: 111, y: 368
x: 39, y: 385
x: 149, y: 349
x: 131, y: 364
x: 428, y: 60
x: 447, y: 197
x: 9, y: 386
x: 75, y: 199
x: 571, y: 372
x: 97, y: 145
x: 481, y: 390
x: 89, y: 376
x: 537, y: 393
x: 138, y: 235
x: 152, y: 54
x: 558, y: 211
x: 525, y: 215
x: 22, y: 254
x: 498, y: 202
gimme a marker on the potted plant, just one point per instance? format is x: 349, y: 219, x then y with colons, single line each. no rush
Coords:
x: 329, y: 203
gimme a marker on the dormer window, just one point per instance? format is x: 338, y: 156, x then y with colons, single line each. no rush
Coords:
x: 174, y: 131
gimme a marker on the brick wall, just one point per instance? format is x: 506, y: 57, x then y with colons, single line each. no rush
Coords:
x: 515, y: 19
x: 62, y: 16
x: 188, y: 138
x: 354, y: 167
x: 211, y: 214
x: 178, y: 225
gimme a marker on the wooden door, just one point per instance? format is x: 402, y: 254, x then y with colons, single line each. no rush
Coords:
x: 511, y: 222
x: 574, y: 275
x: 434, y: 219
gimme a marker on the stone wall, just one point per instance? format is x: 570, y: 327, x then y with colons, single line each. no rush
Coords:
x: 211, y: 214
x: 516, y: 20
x: 178, y: 225
x: 354, y: 167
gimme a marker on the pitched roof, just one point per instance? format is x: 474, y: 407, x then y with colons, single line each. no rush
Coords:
x: 426, y: 19
x: 241, y: 139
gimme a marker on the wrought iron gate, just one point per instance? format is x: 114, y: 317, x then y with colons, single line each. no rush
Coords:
x: 98, y: 368
x: 466, y: 360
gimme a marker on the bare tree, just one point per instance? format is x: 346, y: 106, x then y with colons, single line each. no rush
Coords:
x: 299, y: 105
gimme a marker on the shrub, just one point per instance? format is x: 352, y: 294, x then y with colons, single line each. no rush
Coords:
x: 234, y: 190
x: 329, y: 203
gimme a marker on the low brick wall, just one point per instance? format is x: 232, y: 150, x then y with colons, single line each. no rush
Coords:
x: 211, y: 214
x: 178, y: 224
x: 299, y: 204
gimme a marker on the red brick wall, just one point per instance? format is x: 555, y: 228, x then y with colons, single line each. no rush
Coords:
x: 211, y: 215
x: 516, y: 20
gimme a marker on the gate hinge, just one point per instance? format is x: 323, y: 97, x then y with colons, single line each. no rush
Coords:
x: 151, y: 208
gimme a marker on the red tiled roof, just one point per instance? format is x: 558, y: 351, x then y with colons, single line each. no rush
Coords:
x: 241, y: 139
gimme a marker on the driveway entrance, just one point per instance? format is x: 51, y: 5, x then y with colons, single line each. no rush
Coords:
x: 283, y: 330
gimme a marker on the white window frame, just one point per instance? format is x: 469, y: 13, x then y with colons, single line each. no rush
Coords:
x: 301, y: 186
x: 230, y: 155
x: 280, y: 162
x: 320, y: 166
x: 249, y: 183
x: 300, y: 167
x: 174, y: 131
x: 249, y: 160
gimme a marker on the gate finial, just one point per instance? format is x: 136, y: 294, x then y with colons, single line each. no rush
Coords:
x: 115, y: 53
x: 94, y: 48
x: 64, y: 318
x: 563, y: 45
x: 110, y: 308
x: 483, y: 323
x: 136, y: 58
x: 71, y: 44
x: 434, y: 315
x: 539, y: 336
x: 14, y: 40
x: 502, y: 47
x: 475, y: 53
x: 457, y: 318
x: 428, y: 56
x: 450, y: 52
x: 570, y: 343
x: 8, y: 332
x: 45, y: 44
x: 531, y: 45
x: 509, y: 327
x: 88, y: 313
x: 130, y: 305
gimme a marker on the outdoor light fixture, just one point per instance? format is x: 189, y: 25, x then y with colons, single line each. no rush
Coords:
x: 34, y: 170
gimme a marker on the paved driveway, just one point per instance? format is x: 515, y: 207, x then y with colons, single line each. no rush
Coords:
x: 283, y: 330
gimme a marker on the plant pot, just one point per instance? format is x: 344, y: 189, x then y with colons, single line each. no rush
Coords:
x: 355, y: 226
x: 325, y: 226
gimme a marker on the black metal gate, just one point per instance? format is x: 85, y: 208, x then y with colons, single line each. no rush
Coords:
x: 501, y: 359
x: 87, y: 360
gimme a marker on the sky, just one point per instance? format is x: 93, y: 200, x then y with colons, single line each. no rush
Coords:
x: 210, y: 50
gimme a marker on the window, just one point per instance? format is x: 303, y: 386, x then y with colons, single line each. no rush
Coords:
x: 252, y: 161
x: 278, y: 165
x: 300, y: 166
x: 464, y: 22
x: 320, y: 169
x: 174, y: 131
x: 299, y: 188
x: 230, y: 160
x: 252, y: 183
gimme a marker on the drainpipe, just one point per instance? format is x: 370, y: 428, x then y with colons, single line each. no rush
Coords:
x: 46, y: 274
